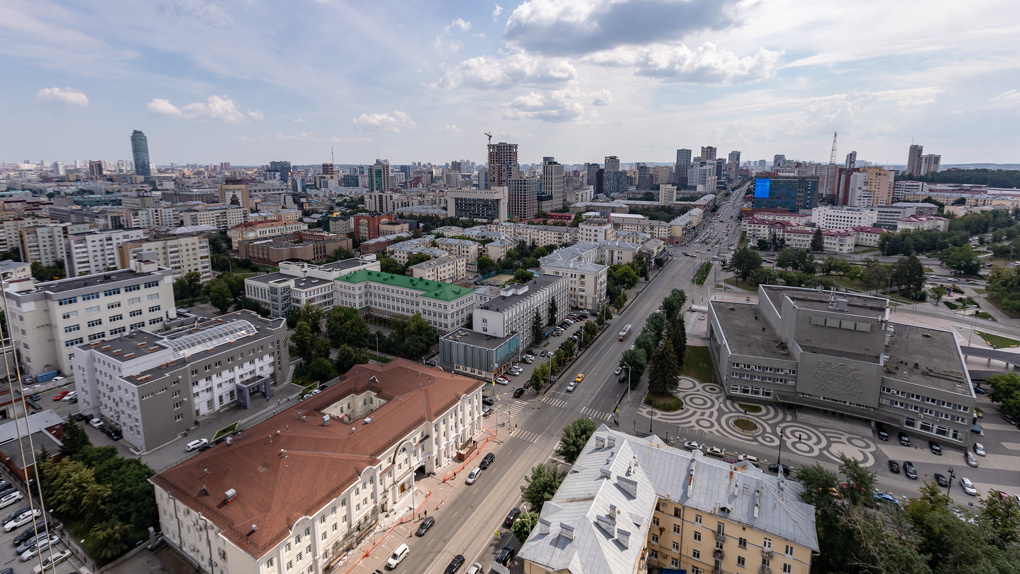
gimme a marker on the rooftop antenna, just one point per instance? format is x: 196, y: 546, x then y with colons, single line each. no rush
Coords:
x: 832, y: 158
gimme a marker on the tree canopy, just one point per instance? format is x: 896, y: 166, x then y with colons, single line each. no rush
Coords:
x: 545, y: 479
x: 575, y: 436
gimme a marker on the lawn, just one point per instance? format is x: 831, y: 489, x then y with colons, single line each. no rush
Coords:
x: 743, y: 240
x: 736, y: 283
x: 379, y: 358
x: 666, y: 403
x: 997, y: 341
x: 702, y: 274
x: 225, y: 431
x: 750, y: 408
x: 698, y: 365
x: 984, y: 315
x: 994, y: 301
x: 745, y: 425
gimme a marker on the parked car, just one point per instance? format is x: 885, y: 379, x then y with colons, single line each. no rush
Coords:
x: 43, y: 544
x: 506, y: 555
x: 882, y: 435
x: 11, y: 498
x: 971, y: 459
x: 424, y: 526
x: 511, y: 517
x: 486, y: 461
x: 455, y: 564
x: 968, y: 486
x: 195, y: 444
x: 886, y: 497
x: 618, y: 370
x: 935, y: 447
x: 486, y: 411
x: 51, y: 561
x: 21, y: 519
x: 96, y: 423
x: 32, y: 532
x: 60, y: 396
x: 488, y: 401
x: 1008, y: 419
x: 749, y: 458
x: 475, y: 568
x: 775, y: 466
x: 941, y: 480
x: 397, y: 557
x: 979, y: 449
x: 692, y: 445
x: 34, y: 397
x: 715, y: 451
x: 518, y: 392
x: 69, y: 395
x: 894, y: 467
x: 904, y: 439
x: 909, y: 470
x: 78, y: 417
x: 473, y: 476
x: 980, y: 391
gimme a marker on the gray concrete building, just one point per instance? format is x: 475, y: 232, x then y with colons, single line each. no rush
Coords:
x: 478, y: 355
x: 839, y: 353
x: 154, y: 386
x: 513, y: 311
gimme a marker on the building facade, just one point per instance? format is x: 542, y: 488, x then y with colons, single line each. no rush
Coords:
x: 514, y: 310
x: 482, y: 204
x: 297, y: 284
x: 181, y: 254
x: 140, y: 153
x: 98, y: 251
x: 263, y: 230
x: 442, y: 305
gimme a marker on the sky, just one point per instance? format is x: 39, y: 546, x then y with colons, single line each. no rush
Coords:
x: 251, y: 81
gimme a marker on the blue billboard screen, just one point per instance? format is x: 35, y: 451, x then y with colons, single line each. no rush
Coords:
x: 762, y: 187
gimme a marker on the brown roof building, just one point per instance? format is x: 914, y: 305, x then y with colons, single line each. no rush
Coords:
x: 300, y: 489
x: 300, y: 246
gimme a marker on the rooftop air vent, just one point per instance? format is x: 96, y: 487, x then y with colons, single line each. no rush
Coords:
x: 229, y: 497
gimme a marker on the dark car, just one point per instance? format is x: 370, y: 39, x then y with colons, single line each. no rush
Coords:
x: 202, y: 448
x: 941, y: 480
x: 34, y: 397
x: 113, y: 433
x: 904, y: 439
x: 622, y: 378
x: 894, y: 467
x: 455, y: 564
x: 511, y: 517
x: 882, y: 435
x: 908, y: 469
x: 80, y: 417
x: 506, y: 555
x: 488, y: 401
x: 980, y: 391
x: 527, y: 384
x: 774, y: 467
x: 935, y: 447
x: 1008, y: 419
x: 30, y: 532
x: 518, y: 393
x: 486, y: 461
x: 73, y: 400
x: 424, y: 526
x: 486, y: 411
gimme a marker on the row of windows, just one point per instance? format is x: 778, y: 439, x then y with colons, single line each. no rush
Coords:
x: 923, y: 410
x: 926, y: 399
x: 838, y: 401
x: 938, y: 430
x: 764, y: 369
x: 762, y: 378
x: 750, y: 391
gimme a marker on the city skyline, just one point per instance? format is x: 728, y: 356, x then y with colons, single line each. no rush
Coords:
x: 211, y: 83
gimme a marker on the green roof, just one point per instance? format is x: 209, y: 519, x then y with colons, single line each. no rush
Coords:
x: 430, y: 289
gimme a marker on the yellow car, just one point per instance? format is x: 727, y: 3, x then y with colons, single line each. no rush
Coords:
x: 579, y: 378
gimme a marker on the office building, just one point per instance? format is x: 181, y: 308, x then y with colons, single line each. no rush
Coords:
x: 513, y: 311
x: 637, y: 504
x: 914, y: 159
x: 732, y: 165
x: 444, y: 268
x: 919, y: 222
x: 552, y: 185
x: 181, y: 254
x: 154, y: 386
x: 612, y: 163
x: 297, y: 284
x: 841, y: 353
x: 830, y: 217
x: 778, y: 161
x: 140, y: 153
x: 281, y: 170
x: 222, y: 217
x: 442, y: 305
x: 502, y: 164
x: 98, y: 251
x: 300, y: 246
x: 930, y: 163
x: 263, y: 230
x: 480, y: 204
x: 522, y: 197
x: 95, y: 169
x: 287, y: 496
x: 379, y: 179
x: 708, y: 154
x: 235, y: 192
x: 48, y: 320
x: 790, y: 193
x: 683, y: 163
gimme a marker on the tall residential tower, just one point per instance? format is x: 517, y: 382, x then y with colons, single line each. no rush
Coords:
x: 140, y: 151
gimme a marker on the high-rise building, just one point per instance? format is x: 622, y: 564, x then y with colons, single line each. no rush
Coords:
x: 851, y: 160
x: 778, y: 161
x: 523, y: 197
x: 552, y: 183
x: 683, y: 163
x: 502, y: 164
x: 235, y: 192
x: 95, y: 169
x: 789, y: 193
x: 328, y: 169
x: 379, y: 176
x: 879, y: 185
x: 140, y: 152
x: 733, y: 164
x: 644, y: 177
x: 97, y: 251
x: 914, y: 159
x: 708, y: 153
x: 281, y: 167
x: 930, y: 163
x: 612, y: 163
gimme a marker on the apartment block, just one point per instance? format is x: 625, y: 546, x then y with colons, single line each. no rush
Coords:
x: 637, y: 504
x: 181, y: 254
x: 595, y: 231
x: 154, y: 386
x: 445, y: 268
x: 588, y: 281
x: 10, y: 230
x: 482, y: 204
x: 298, y: 284
x: 513, y: 311
x: 98, y: 251
x: 841, y: 217
x: 49, y: 320
x: 537, y: 234
x: 221, y: 217
x: 841, y: 353
x: 44, y: 243
x: 263, y: 230
x: 443, y: 305
x: 308, y: 506
x: 459, y: 247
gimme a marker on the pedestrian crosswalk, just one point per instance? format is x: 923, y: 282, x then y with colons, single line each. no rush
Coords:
x: 596, y: 415
x: 526, y: 436
x: 555, y: 402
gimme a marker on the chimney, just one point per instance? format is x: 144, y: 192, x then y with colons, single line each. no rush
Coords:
x: 600, y: 442
x: 607, y: 524
x: 543, y: 525
x: 623, y: 537
x: 628, y: 485
x: 229, y: 495
x: 566, y: 530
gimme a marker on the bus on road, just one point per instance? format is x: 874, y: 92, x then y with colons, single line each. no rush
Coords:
x: 625, y: 332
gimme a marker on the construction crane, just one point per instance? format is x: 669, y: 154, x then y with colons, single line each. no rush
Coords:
x: 832, y: 158
x: 490, y: 137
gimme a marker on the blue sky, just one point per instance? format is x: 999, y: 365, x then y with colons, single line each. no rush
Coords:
x: 250, y: 81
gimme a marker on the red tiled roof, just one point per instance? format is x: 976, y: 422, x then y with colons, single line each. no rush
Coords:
x: 275, y: 489
x: 866, y: 229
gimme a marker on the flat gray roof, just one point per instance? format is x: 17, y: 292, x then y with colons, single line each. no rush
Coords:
x: 474, y: 338
x: 269, y: 277
x: 874, y: 307
x: 500, y: 303
x: 343, y: 264
x: 308, y: 282
x: 747, y: 331
x: 98, y: 281
x: 936, y: 354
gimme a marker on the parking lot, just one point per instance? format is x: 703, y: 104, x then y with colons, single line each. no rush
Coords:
x: 9, y: 557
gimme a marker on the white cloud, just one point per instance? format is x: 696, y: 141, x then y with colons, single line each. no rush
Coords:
x: 448, y: 128
x: 301, y: 137
x: 514, y: 70
x: 1009, y: 99
x: 384, y: 122
x: 602, y: 98
x: 556, y: 106
x: 460, y: 23
x: 216, y: 108
x: 496, y: 12
x: 583, y: 26
x: 61, y: 97
x: 335, y: 139
x: 705, y: 64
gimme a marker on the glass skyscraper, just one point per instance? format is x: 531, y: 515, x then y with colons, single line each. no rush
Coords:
x: 140, y: 151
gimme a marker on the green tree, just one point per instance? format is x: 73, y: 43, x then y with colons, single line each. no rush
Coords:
x: 485, y: 265
x: 552, y: 311
x: 908, y: 273
x: 536, y: 328
x: 745, y: 261
x: 523, y: 276
x: 1003, y: 517
x: 313, y: 316
x: 791, y: 258
x: 74, y: 491
x: 590, y: 330
x: 540, y: 376
x: 109, y: 540
x: 638, y: 362
x: 219, y: 295
x: 1006, y: 392
x: 545, y: 479
x: 303, y: 340
x: 875, y: 274
x: 837, y: 265
x: 623, y: 275
x: 664, y: 371
x: 292, y: 315
x: 860, y: 482
x: 188, y: 287
x: 676, y: 336
x: 818, y: 241
x: 74, y: 439
x: 524, y: 524
x: 569, y: 348
x: 347, y: 357
x: 575, y: 436
x: 962, y: 259
x: 345, y: 326
x: 321, y: 370
x: 390, y: 265
x: 673, y: 305
x: 414, y: 260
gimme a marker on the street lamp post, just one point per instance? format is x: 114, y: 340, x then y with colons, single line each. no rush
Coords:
x: 651, y: 415
x: 952, y: 476
x: 626, y: 366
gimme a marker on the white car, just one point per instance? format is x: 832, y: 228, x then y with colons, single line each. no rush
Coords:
x: 69, y: 396
x: 196, y: 444
x: 570, y: 387
x: 475, y: 568
x: 968, y: 486
x: 692, y: 445
x: 617, y: 370
x: 474, y: 475
x: 96, y: 423
x: 503, y: 380
x: 11, y: 499
x: 44, y: 543
x: 749, y: 458
x: 22, y: 519
x: 57, y: 558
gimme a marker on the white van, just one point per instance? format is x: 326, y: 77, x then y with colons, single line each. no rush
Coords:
x: 398, y: 556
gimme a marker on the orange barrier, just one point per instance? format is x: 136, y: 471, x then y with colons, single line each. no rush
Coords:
x: 477, y: 452
x: 386, y: 535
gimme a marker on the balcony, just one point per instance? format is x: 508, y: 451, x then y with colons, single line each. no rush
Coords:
x: 764, y: 570
x: 766, y: 553
x: 718, y: 554
x: 720, y: 537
